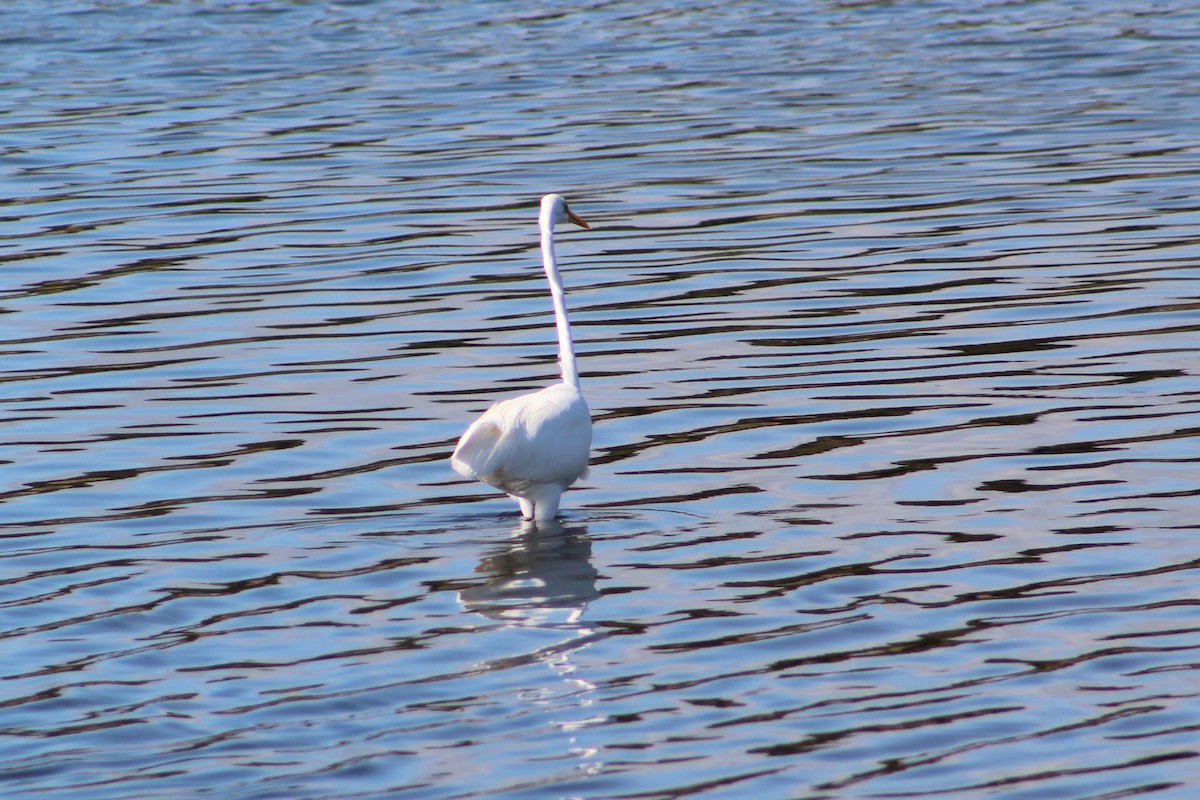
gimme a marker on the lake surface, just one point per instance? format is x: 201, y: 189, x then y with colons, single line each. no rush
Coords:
x: 888, y: 319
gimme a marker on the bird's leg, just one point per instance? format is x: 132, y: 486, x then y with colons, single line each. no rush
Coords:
x: 526, y: 506
x: 546, y: 497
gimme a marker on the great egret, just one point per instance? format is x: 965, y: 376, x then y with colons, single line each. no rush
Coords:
x: 536, y: 445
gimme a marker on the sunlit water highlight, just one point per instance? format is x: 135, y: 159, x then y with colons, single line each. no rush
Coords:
x: 888, y: 324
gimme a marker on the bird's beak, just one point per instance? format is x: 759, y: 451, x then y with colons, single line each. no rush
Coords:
x: 571, y: 215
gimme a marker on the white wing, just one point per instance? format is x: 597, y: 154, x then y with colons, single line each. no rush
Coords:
x: 542, y: 437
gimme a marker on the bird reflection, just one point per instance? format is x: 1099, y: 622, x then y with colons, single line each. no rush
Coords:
x: 542, y: 575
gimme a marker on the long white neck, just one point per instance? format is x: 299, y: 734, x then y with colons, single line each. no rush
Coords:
x: 566, y: 348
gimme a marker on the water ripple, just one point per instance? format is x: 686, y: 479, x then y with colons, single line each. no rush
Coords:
x: 887, y: 320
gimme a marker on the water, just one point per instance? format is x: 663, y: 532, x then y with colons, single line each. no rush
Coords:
x: 888, y: 324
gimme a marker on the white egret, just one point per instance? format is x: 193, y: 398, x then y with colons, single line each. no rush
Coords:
x: 534, y: 446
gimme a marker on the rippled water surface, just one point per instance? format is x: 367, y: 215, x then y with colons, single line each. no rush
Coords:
x: 888, y: 322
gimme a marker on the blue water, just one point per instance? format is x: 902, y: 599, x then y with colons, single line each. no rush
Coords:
x: 887, y: 320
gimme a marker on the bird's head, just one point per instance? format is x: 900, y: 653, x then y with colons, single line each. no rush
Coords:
x: 555, y: 210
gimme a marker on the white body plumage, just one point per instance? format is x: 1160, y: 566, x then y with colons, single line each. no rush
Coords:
x: 534, y: 446
x: 531, y: 447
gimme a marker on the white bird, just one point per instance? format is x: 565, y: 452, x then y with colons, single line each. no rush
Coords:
x: 534, y: 446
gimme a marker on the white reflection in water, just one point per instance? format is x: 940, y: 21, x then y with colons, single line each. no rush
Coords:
x: 542, y: 576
